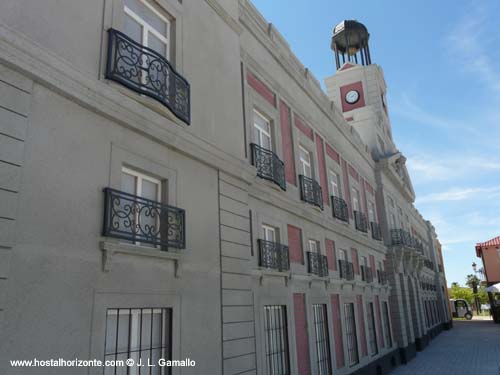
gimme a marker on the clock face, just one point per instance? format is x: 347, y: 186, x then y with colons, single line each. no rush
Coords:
x: 352, y: 97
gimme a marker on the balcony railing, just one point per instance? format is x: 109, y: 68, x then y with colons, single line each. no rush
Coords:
x: 401, y: 237
x: 360, y: 221
x: 273, y: 255
x: 310, y: 191
x: 429, y: 264
x: 346, y: 270
x: 366, y: 274
x: 147, y: 72
x: 140, y: 220
x: 376, y: 232
x: 382, y: 277
x: 317, y: 264
x: 339, y: 208
x: 269, y: 166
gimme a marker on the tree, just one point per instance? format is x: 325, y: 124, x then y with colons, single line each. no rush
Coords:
x: 460, y: 292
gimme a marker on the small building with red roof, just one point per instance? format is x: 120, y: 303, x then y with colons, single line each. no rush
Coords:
x: 489, y: 252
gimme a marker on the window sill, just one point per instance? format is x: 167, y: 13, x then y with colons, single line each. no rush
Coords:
x: 260, y: 273
x: 110, y: 249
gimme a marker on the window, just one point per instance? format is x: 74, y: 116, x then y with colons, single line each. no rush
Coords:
x: 141, y: 334
x: 314, y: 246
x: 276, y: 340
x: 269, y: 233
x: 372, y: 333
x: 262, y: 131
x: 334, y: 184
x: 147, y: 26
x: 342, y: 254
x: 364, y: 262
x: 355, y: 199
x: 352, y: 341
x: 387, y: 324
x: 305, y: 162
x: 144, y: 186
x: 323, y: 358
x: 371, y: 212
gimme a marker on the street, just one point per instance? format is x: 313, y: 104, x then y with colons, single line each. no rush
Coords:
x: 471, y: 347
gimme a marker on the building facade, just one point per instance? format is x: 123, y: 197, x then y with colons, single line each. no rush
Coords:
x: 175, y: 184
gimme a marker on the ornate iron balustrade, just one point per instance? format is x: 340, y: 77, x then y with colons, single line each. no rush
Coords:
x: 360, y: 221
x: 133, y: 218
x: 273, y: 255
x: 339, y: 209
x: 368, y: 275
x: 429, y: 264
x: 382, y: 277
x: 346, y: 270
x: 400, y: 237
x: 147, y: 72
x: 376, y: 232
x: 269, y: 166
x: 317, y: 264
x: 310, y: 191
x: 419, y: 246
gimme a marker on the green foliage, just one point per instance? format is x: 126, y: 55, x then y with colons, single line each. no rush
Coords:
x: 459, y: 292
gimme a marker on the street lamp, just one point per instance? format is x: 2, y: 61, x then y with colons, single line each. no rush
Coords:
x: 474, y: 287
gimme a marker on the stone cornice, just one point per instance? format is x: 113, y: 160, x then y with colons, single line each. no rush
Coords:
x: 47, y: 69
x: 225, y: 16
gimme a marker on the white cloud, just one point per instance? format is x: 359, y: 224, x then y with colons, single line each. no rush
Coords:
x: 456, y: 194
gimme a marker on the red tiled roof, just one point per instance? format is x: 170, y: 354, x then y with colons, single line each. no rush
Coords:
x: 493, y: 242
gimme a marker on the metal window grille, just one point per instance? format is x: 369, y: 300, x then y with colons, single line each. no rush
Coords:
x: 269, y: 165
x: 140, y: 334
x: 276, y: 340
x: 310, y: 191
x: 273, y: 255
x: 372, y: 333
x: 352, y: 341
x: 387, y: 324
x: 323, y: 358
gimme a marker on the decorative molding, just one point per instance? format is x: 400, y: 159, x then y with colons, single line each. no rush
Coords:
x: 226, y: 17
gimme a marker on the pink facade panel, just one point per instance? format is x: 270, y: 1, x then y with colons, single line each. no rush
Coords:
x: 347, y: 189
x: 491, y: 261
x: 295, y: 244
x: 306, y: 130
x: 337, y: 331
x: 361, y: 324
x: 355, y: 260
x: 354, y: 174
x: 301, y: 337
x: 334, y: 155
x: 330, y: 254
x: 372, y: 262
x: 322, y: 169
x: 287, y: 143
x: 356, y: 86
x: 369, y: 188
x: 378, y: 319
x: 261, y: 88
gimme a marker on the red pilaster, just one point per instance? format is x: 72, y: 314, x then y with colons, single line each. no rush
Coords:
x: 361, y: 320
x: 287, y: 143
x: 322, y: 168
x: 295, y: 244
x: 337, y: 331
x: 301, y: 337
x: 330, y: 254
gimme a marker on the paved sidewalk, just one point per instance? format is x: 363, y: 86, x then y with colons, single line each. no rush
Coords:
x: 471, y: 347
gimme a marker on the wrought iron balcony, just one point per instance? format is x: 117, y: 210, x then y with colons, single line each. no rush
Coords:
x: 429, y: 264
x: 360, y: 221
x: 147, y: 72
x: 140, y: 220
x: 401, y: 237
x: 269, y: 166
x: 346, y: 270
x: 339, y: 209
x: 310, y: 191
x: 382, y: 277
x: 273, y: 255
x: 317, y: 264
x: 366, y: 274
x: 376, y: 232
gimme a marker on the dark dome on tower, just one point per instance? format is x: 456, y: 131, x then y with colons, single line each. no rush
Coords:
x: 350, y: 42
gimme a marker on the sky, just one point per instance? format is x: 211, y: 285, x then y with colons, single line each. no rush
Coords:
x: 441, y: 62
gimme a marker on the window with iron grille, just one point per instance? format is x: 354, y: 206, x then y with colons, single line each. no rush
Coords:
x: 387, y: 324
x: 352, y: 341
x: 372, y: 333
x: 323, y: 358
x: 141, y: 334
x: 276, y: 340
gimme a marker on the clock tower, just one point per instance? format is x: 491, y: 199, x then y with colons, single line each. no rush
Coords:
x: 358, y: 87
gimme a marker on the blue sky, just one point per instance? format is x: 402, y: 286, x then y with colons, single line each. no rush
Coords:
x: 442, y: 67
